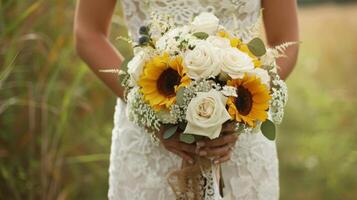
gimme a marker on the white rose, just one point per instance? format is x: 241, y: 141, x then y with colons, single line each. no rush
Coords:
x: 236, y: 63
x: 263, y: 75
x: 136, y: 66
x: 203, y: 61
x: 219, y: 42
x: 205, y: 22
x: 206, y: 113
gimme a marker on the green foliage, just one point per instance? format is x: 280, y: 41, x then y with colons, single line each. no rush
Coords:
x: 170, y: 132
x: 268, y: 129
x: 187, y: 138
x: 180, y: 96
x: 201, y: 35
x: 56, y: 117
x: 257, y: 47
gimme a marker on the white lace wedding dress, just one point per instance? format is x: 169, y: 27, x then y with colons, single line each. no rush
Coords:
x: 138, y: 168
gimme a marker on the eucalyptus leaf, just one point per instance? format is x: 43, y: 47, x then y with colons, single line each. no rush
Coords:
x: 170, y: 132
x: 257, y: 47
x: 201, y: 35
x: 187, y: 138
x: 268, y: 129
x: 180, y: 95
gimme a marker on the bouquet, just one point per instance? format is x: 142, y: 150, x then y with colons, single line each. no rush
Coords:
x: 196, y: 77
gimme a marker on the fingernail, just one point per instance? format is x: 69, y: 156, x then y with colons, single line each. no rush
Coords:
x: 216, y: 161
x: 190, y: 161
x: 203, y: 153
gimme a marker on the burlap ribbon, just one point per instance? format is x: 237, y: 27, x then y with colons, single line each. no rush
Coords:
x: 196, y: 181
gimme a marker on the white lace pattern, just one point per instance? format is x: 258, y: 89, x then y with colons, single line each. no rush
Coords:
x: 232, y: 13
x: 139, y: 168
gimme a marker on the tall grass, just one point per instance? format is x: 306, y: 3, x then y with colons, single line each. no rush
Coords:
x: 56, y: 118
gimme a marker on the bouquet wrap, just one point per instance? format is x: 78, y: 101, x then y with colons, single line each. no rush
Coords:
x: 198, y: 181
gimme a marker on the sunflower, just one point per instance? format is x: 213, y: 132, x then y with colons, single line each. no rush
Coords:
x: 252, y: 100
x: 161, y: 79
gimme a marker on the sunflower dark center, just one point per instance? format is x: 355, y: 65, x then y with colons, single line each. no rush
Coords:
x: 167, y: 82
x: 244, y: 101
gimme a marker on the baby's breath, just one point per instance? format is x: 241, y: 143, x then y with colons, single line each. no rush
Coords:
x: 140, y: 112
x: 279, y: 98
x: 242, y: 128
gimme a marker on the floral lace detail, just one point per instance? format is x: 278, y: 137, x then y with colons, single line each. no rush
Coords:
x: 253, y: 172
x: 232, y: 13
x: 138, y: 168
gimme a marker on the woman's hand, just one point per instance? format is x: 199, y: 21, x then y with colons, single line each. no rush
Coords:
x: 174, y: 145
x: 220, y: 148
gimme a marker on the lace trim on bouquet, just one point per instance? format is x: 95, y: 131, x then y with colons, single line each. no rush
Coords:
x: 195, y: 182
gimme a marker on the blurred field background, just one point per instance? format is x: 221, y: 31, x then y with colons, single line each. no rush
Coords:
x: 56, y: 117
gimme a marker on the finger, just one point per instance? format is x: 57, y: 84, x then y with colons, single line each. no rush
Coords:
x: 187, y: 147
x: 229, y: 127
x: 223, y: 159
x: 216, y: 151
x: 223, y: 140
x: 183, y: 155
x: 198, y: 148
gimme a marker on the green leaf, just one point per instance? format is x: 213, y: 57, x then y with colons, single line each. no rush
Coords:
x: 186, y: 138
x: 170, y: 132
x: 257, y: 47
x: 268, y: 129
x: 180, y: 95
x: 201, y: 35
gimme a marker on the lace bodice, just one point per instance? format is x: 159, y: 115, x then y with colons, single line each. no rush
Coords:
x: 232, y: 13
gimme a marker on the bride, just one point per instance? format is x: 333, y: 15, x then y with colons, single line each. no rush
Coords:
x: 138, y: 167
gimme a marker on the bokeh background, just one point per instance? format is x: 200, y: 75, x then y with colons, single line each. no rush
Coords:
x: 56, y: 117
